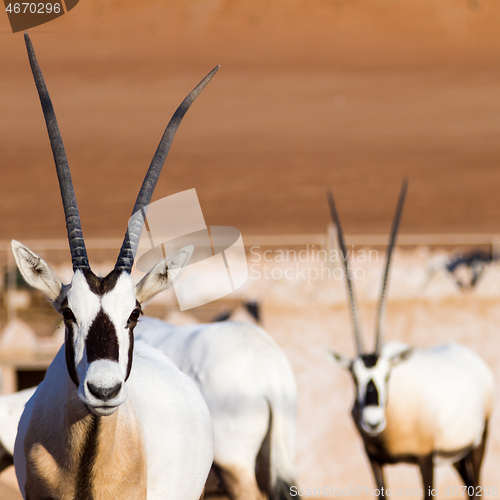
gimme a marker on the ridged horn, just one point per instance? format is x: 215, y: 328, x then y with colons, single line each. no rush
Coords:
x: 130, y: 243
x: 352, y: 298
x: 381, y: 306
x: 73, y: 226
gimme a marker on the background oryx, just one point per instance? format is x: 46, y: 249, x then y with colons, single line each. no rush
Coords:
x: 110, y: 419
x: 421, y: 406
x: 250, y: 390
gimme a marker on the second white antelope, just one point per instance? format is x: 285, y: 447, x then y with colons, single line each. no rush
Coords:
x: 112, y: 419
x: 419, y: 406
x: 249, y: 387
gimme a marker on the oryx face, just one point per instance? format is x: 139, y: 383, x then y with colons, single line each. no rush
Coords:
x: 100, y: 315
x: 371, y: 376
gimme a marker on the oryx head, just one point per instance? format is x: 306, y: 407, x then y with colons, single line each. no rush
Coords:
x: 100, y: 313
x: 370, y: 371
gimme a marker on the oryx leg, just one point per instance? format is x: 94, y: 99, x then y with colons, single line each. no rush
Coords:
x: 465, y: 469
x: 477, y: 455
x: 426, y: 465
x: 378, y: 475
x: 470, y: 466
x: 240, y: 483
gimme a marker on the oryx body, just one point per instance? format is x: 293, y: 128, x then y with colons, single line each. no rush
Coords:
x: 420, y: 406
x: 250, y: 390
x: 437, y: 405
x: 157, y: 444
x: 112, y: 419
x: 249, y: 387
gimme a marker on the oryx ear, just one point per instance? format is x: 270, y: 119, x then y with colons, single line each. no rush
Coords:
x: 402, y: 355
x: 36, y: 271
x: 340, y: 360
x: 164, y: 274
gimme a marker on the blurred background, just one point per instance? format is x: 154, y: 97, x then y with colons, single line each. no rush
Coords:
x: 352, y: 95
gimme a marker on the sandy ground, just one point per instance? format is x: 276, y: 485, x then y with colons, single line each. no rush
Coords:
x: 310, y: 317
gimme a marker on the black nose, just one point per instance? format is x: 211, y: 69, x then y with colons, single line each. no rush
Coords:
x: 104, y: 393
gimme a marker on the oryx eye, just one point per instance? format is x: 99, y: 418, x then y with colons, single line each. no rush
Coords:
x: 132, y: 320
x: 68, y: 315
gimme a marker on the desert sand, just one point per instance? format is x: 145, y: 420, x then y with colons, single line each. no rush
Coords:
x: 351, y: 95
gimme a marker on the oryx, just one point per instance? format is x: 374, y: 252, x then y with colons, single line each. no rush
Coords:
x: 111, y: 419
x: 420, y: 406
x: 249, y: 386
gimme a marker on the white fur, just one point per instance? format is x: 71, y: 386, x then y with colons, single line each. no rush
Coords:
x: 434, y: 400
x: 243, y: 375
x: 174, y: 420
x: 240, y: 371
x: 447, y: 390
x: 158, y: 398
x: 11, y: 409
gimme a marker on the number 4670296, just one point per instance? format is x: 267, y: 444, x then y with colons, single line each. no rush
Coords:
x: 34, y: 8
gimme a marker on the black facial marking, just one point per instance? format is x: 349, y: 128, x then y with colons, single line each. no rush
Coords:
x: 102, y: 340
x: 85, y: 469
x: 69, y: 347
x: 371, y: 398
x: 131, y: 324
x: 99, y: 285
x: 369, y: 360
x: 134, y: 316
x: 130, y: 353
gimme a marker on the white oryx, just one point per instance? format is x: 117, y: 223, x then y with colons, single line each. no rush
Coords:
x: 420, y: 406
x: 249, y: 386
x: 250, y: 390
x: 111, y: 419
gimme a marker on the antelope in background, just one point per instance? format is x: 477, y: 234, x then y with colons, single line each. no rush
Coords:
x: 112, y: 419
x: 419, y: 406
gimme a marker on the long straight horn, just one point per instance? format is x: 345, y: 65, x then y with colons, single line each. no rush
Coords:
x: 130, y: 243
x: 352, y: 298
x: 73, y: 226
x: 381, y: 306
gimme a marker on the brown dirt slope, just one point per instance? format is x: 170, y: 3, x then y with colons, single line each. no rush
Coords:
x: 348, y: 94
